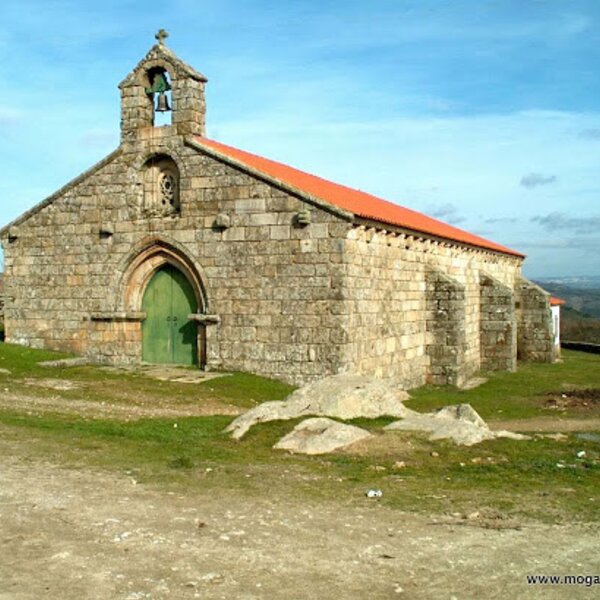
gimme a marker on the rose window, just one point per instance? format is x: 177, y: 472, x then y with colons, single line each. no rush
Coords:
x: 168, y: 189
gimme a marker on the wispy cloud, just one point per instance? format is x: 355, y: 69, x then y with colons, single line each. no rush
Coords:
x: 557, y: 221
x: 586, y: 243
x: 501, y: 220
x: 536, y: 179
x: 590, y: 134
x: 446, y: 212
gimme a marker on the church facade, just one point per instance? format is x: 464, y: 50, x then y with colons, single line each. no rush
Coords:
x: 179, y: 249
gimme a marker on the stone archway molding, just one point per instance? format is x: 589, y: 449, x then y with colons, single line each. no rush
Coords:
x: 144, y: 259
x: 158, y: 149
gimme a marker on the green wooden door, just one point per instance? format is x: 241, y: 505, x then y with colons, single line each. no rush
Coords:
x: 167, y: 334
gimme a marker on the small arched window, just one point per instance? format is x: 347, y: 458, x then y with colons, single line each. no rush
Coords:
x: 161, y: 187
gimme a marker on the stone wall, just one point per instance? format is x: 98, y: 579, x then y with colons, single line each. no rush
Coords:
x: 535, y: 341
x: 498, y: 327
x: 1, y: 306
x: 276, y: 287
x: 447, y: 343
x: 391, y: 295
x: 283, y: 299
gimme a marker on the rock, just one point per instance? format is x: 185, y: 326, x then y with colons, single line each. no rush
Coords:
x: 215, y: 578
x: 340, y: 396
x: 511, y: 435
x: 459, y: 422
x: 473, y: 383
x: 320, y: 436
x: 463, y: 433
x: 4, y: 372
x: 65, y: 362
x: 53, y: 384
x: 461, y: 412
x: 557, y: 437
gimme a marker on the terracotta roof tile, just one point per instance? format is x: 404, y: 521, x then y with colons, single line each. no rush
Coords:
x: 359, y: 203
x: 554, y: 301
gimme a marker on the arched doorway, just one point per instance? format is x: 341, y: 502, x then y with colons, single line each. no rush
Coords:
x: 168, y: 336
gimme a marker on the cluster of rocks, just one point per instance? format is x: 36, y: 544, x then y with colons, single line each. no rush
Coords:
x: 353, y: 396
x: 340, y: 396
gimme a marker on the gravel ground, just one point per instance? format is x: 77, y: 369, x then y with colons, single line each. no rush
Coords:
x: 88, y: 534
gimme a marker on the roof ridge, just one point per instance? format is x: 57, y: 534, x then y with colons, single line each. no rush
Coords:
x: 359, y: 203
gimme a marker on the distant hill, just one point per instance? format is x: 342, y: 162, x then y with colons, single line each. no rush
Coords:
x: 587, y: 282
x: 579, y: 293
x: 580, y: 316
x: 575, y: 327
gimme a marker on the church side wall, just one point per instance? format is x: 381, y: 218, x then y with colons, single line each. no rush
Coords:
x: 276, y: 286
x: 391, y: 305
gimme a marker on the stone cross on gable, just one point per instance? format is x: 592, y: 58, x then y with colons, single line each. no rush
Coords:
x: 161, y: 36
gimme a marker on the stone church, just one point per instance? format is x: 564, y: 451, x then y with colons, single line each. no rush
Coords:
x: 176, y: 248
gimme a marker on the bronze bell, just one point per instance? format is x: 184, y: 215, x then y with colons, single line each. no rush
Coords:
x: 162, y: 103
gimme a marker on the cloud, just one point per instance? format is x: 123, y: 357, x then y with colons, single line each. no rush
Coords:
x: 535, y: 179
x: 559, y: 221
x: 501, y: 220
x: 587, y: 244
x: 446, y: 212
x: 590, y: 134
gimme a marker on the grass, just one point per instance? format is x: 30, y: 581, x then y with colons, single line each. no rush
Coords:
x: 517, y: 395
x: 115, y: 386
x: 193, y: 454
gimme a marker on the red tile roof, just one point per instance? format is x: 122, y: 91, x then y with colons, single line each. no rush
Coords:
x: 358, y: 203
x: 554, y: 301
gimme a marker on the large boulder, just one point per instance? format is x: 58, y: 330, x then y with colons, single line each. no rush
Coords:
x: 460, y: 423
x: 319, y: 436
x: 339, y: 396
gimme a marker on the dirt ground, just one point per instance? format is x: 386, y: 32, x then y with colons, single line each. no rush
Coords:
x: 87, y: 534
x: 68, y: 533
x: 111, y: 410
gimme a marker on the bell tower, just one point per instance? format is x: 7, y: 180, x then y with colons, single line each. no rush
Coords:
x: 146, y: 90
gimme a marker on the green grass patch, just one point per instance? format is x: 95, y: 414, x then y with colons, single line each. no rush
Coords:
x: 136, y: 388
x: 516, y: 395
x: 23, y: 362
x: 542, y: 479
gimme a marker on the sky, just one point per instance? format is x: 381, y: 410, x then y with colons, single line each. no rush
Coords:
x: 482, y: 113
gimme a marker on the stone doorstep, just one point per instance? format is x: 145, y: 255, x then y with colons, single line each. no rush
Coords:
x: 174, y: 373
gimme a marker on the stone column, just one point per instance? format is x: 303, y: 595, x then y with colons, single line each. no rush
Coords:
x: 498, y: 327
x: 534, y: 323
x: 446, y: 338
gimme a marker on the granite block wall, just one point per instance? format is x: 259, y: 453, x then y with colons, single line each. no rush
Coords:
x: 498, y: 327
x: 275, y: 286
x: 446, y: 328
x: 392, y: 278
x: 535, y: 340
